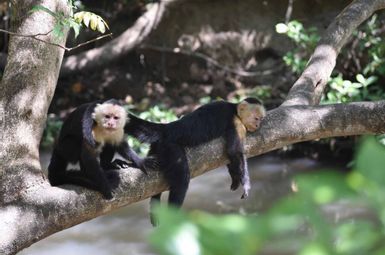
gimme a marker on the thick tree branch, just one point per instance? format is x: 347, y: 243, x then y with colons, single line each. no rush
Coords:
x: 119, y: 46
x: 307, y: 90
x: 45, y: 210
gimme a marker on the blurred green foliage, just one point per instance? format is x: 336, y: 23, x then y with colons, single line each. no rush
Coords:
x: 298, y: 223
x: 51, y: 131
x: 263, y: 92
x: 343, y: 91
x: 366, y: 52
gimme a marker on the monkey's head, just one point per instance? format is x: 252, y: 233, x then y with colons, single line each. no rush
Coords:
x: 251, y: 112
x: 110, y: 116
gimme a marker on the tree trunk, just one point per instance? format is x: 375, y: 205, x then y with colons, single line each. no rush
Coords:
x: 26, y: 91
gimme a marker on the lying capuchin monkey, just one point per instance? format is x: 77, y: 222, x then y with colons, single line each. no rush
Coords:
x: 213, y: 120
x: 94, y: 130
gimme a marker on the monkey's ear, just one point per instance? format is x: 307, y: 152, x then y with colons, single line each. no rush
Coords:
x: 261, y: 110
x: 242, y: 106
x: 93, y: 115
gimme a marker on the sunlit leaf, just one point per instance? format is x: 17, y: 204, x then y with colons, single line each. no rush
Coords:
x: 91, y: 20
x: 86, y: 18
x: 101, y: 27
x: 360, y: 78
x: 79, y: 16
x: 94, y: 21
x: 281, y: 28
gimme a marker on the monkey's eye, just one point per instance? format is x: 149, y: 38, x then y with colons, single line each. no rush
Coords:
x: 107, y: 116
x: 116, y: 117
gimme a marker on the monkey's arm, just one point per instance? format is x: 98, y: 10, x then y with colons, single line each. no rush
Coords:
x: 144, y: 164
x: 94, y: 174
x: 106, y: 157
x: 87, y: 124
x: 238, y: 169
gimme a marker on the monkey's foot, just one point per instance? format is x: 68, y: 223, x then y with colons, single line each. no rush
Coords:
x: 246, y: 189
x: 118, y: 164
x: 113, y: 178
x: 150, y: 163
x: 245, y: 195
x: 235, y: 184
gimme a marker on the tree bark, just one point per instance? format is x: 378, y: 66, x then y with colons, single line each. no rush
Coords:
x: 26, y: 91
x: 31, y: 209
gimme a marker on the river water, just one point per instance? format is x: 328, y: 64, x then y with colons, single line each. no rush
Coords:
x: 125, y: 231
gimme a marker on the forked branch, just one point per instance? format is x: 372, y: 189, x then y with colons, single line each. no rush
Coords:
x: 308, y: 89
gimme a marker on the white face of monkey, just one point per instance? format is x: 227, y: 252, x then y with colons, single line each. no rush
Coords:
x: 110, y: 117
x: 251, y: 115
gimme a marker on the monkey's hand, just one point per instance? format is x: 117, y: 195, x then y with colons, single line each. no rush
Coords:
x: 246, y: 188
x: 245, y: 194
x: 119, y: 164
x: 151, y: 163
x: 235, y: 182
x: 113, y: 179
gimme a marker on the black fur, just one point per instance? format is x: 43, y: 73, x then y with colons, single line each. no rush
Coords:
x: 77, y: 144
x: 168, y: 143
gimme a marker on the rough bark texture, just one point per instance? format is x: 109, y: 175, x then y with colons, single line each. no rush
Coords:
x: 26, y: 91
x: 31, y: 209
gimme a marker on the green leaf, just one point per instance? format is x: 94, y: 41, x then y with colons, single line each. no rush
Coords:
x: 101, y: 27
x: 45, y: 9
x: 58, y: 30
x: 93, y: 21
x: 281, y: 28
x: 75, y: 26
x: 370, y: 160
x: 78, y: 17
x: 361, y: 79
x: 86, y: 18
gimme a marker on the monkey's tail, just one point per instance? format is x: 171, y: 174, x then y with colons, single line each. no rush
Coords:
x: 145, y: 131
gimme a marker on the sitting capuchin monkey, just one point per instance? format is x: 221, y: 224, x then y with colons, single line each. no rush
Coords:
x: 90, y: 136
x: 217, y: 119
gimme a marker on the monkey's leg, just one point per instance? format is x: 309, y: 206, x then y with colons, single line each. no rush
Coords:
x: 59, y: 175
x: 175, y: 167
x: 94, y: 173
x: 143, y: 164
x: 173, y: 164
x: 57, y: 169
x: 238, y: 165
x: 106, y: 157
x: 154, y: 201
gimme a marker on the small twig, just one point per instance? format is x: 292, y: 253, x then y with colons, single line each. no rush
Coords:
x: 16, y: 34
x: 289, y: 11
x: 35, y: 37
x: 90, y: 41
x: 209, y: 60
